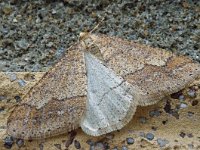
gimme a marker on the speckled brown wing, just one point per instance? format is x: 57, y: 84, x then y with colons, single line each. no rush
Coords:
x: 56, y: 103
x: 154, y: 72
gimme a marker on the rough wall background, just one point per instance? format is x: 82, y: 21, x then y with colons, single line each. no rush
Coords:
x: 35, y: 34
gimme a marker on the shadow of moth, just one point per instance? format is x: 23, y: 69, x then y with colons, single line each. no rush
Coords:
x: 98, y: 85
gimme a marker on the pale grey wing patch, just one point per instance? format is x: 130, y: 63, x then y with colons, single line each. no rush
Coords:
x: 110, y: 105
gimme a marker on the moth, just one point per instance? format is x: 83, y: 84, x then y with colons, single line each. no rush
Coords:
x: 97, y: 86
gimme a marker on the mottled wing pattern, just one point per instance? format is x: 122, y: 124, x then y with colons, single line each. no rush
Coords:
x: 154, y: 72
x: 110, y: 103
x: 56, y: 103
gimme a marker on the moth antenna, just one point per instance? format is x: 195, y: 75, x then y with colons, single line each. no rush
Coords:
x: 96, y: 27
x: 83, y: 34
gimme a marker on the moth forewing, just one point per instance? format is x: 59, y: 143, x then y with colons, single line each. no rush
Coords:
x: 56, y: 103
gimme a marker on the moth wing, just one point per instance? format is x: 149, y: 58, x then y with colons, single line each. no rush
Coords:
x: 154, y: 72
x: 110, y: 104
x: 56, y: 103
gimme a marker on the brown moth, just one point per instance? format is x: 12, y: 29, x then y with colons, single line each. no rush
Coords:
x: 98, y: 85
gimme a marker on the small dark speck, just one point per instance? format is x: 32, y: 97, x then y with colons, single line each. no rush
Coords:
x: 154, y: 128
x: 195, y: 102
x: 72, y: 135
x: 182, y: 134
x: 164, y: 122
x: 8, y: 142
x: 176, y: 95
x: 167, y: 107
x: 17, y: 98
x: 49, y: 130
x: 30, y: 139
x: 77, y: 144
x: 2, y: 109
x: 176, y: 141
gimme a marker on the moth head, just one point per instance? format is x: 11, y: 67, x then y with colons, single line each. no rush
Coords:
x: 85, y: 40
x: 89, y: 45
x: 83, y: 35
